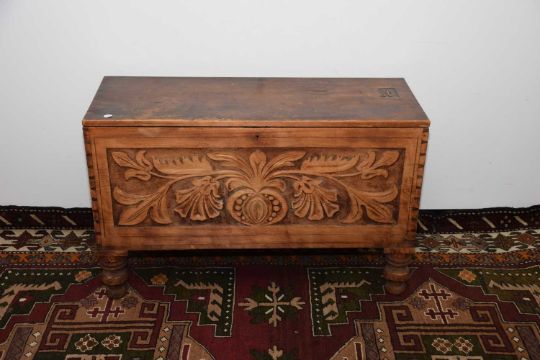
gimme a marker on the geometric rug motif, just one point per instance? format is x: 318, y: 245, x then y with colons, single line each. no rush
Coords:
x: 511, y: 247
x: 484, y: 237
x: 451, y: 321
x: 22, y: 289
x: 335, y: 292
x: 518, y: 286
x: 84, y: 323
x: 179, y: 313
x: 208, y: 292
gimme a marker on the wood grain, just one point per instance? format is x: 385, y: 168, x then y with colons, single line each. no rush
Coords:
x: 92, y: 182
x: 159, y: 101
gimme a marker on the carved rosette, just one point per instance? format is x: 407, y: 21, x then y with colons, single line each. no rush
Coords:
x: 253, y: 189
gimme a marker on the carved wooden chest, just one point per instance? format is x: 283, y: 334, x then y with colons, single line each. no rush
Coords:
x: 221, y: 163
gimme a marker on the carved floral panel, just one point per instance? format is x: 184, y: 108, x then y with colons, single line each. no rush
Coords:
x: 255, y: 186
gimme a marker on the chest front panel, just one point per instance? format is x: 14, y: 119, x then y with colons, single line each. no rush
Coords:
x: 282, y: 185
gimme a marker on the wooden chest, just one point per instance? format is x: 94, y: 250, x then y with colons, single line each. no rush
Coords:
x: 221, y: 163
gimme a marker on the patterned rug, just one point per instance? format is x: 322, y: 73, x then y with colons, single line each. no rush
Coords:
x: 474, y: 294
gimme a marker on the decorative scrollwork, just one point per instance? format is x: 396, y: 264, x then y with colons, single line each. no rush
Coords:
x: 256, y: 186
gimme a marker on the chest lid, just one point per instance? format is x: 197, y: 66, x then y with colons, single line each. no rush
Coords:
x: 294, y: 102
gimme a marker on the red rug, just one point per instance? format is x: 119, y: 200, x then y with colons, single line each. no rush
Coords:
x: 474, y: 294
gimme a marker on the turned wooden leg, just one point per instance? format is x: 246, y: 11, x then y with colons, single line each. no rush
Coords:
x: 396, y: 271
x: 114, y: 274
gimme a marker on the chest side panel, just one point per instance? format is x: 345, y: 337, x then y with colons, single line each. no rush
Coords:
x: 252, y: 187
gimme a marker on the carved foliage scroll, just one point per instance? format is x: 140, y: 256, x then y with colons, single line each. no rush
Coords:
x: 254, y: 188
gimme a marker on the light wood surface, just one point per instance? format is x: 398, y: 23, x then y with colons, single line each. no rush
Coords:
x: 171, y: 185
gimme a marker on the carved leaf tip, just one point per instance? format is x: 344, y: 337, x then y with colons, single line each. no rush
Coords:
x: 138, y: 168
x: 140, y: 205
x: 123, y: 159
x: 370, y: 167
x: 257, y: 159
x: 329, y: 163
x: 373, y: 203
x: 283, y: 160
x: 125, y: 198
x: 182, y: 165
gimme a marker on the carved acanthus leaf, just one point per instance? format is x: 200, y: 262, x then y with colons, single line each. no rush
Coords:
x: 369, y: 167
x: 182, y: 165
x: 125, y: 198
x: 283, y: 160
x: 373, y: 202
x: 313, y: 200
x: 138, y: 168
x: 200, y: 202
x: 257, y: 160
x: 123, y: 159
x: 326, y: 164
x: 140, y: 205
x: 231, y: 160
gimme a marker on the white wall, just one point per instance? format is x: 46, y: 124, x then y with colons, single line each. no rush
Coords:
x: 473, y: 65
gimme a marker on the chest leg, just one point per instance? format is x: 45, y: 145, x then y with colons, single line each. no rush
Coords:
x: 114, y: 275
x: 396, y: 270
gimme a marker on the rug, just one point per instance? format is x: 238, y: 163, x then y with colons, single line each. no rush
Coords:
x: 474, y: 294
